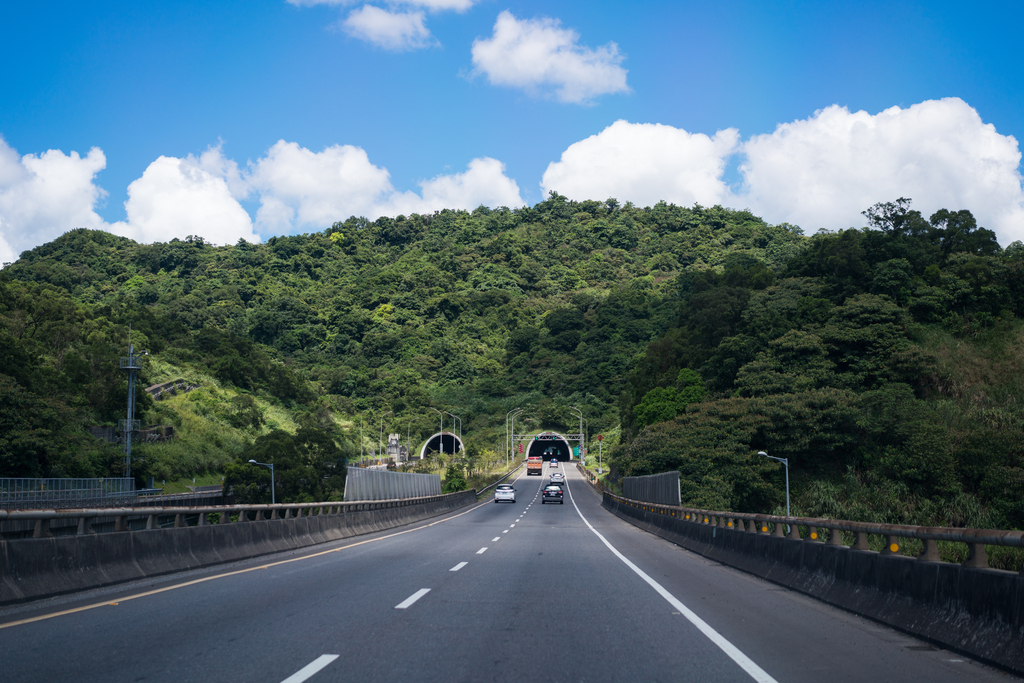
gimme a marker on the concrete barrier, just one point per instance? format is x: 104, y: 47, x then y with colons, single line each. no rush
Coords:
x: 32, y: 568
x: 978, y: 612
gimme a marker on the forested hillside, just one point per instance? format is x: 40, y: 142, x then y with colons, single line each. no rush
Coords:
x: 884, y: 361
x: 471, y: 313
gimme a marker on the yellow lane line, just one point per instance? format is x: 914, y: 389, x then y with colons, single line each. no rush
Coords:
x: 43, y: 617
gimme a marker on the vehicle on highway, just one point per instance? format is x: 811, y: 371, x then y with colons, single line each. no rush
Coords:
x: 552, y: 492
x: 554, y: 462
x: 557, y: 478
x: 535, y: 465
x: 505, y: 492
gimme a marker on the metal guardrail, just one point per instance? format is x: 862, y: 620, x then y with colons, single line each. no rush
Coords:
x: 149, y: 517
x: 17, y: 493
x: 975, y: 539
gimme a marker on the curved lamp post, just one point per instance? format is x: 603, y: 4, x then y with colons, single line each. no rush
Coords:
x: 380, y: 442
x: 440, y: 447
x: 784, y: 461
x: 456, y: 417
x: 273, y: 498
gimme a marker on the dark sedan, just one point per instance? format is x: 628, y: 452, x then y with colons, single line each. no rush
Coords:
x: 552, y: 493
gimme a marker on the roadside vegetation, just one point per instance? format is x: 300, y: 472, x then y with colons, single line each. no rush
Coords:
x: 885, y: 362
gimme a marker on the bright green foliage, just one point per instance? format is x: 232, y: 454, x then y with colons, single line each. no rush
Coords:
x: 454, y: 479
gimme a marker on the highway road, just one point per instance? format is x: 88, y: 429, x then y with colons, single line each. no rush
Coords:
x: 493, y: 592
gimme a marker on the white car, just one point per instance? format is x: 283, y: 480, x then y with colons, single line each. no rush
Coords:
x: 505, y: 492
x: 557, y: 478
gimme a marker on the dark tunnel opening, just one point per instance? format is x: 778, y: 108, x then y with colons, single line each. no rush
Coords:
x: 550, y: 448
x: 449, y: 443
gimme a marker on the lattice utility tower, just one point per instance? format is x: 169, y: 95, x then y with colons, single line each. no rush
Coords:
x: 129, y: 426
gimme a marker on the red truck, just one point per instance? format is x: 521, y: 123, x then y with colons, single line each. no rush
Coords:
x: 535, y: 466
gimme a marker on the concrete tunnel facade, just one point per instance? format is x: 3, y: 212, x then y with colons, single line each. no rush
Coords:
x: 447, y: 442
x: 553, y: 446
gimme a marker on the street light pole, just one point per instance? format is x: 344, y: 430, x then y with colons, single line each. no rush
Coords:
x: 456, y: 417
x: 380, y: 442
x: 360, y: 439
x: 784, y: 461
x: 515, y: 413
x: 581, y: 430
x: 508, y: 448
x: 273, y: 497
x: 441, y: 433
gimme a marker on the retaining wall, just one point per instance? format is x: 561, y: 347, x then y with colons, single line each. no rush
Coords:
x: 33, y: 568
x: 979, y: 612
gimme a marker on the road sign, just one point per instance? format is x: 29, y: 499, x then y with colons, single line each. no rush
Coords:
x: 599, y: 437
x: 520, y: 448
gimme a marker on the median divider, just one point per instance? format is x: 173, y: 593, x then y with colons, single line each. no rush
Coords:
x: 973, y: 610
x: 32, y: 568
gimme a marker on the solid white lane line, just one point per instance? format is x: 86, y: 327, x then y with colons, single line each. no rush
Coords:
x: 459, y: 566
x: 310, y: 669
x: 481, y: 551
x: 496, y: 538
x: 412, y: 598
x: 744, y: 662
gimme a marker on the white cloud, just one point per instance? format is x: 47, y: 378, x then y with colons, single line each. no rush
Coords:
x: 644, y: 163
x: 395, y: 31
x: 44, y: 196
x: 540, y: 57
x: 824, y: 170
x: 299, y: 188
x: 190, y: 196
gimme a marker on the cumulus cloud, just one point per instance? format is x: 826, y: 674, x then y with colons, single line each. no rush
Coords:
x: 821, y: 172
x: 645, y: 163
x: 403, y: 27
x: 43, y: 196
x: 541, y: 57
x: 395, y: 31
x: 299, y: 188
x: 190, y: 196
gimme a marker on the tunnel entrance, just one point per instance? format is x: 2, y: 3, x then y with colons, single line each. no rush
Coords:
x: 441, y: 441
x: 550, y: 445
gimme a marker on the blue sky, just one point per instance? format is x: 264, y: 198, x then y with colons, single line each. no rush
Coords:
x: 248, y: 119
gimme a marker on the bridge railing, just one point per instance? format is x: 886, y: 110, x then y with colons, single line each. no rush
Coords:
x: 98, y: 520
x: 831, y: 531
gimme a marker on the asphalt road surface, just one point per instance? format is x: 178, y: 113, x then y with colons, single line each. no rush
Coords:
x: 494, y: 592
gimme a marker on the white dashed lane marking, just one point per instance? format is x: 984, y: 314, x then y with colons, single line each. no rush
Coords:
x: 496, y: 538
x: 459, y: 566
x: 481, y: 551
x: 408, y: 602
x: 310, y: 669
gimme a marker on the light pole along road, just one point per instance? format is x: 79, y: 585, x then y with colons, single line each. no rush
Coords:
x: 510, y: 592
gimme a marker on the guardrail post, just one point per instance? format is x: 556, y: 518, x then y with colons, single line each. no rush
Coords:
x: 794, y: 532
x: 835, y: 537
x: 259, y: 515
x: 178, y: 521
x: 751, y: 526
x: 120, y: 523
x: 225, y: 517
x: 813, y: 535
x: 930, y: 552
x: 273, y: 514
x: 862, y: 542
x: 150, y: 521
x: 892, y: 545
x: 42, y: 529
x: 977, y: 557
x: 84, y: 527
x: 778, y: 531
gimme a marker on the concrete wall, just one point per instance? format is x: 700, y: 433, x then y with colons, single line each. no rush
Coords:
x: 979, y: 612
x: 33, y: 568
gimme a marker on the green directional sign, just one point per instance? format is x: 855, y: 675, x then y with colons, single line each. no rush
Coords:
x: 576, y: 451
